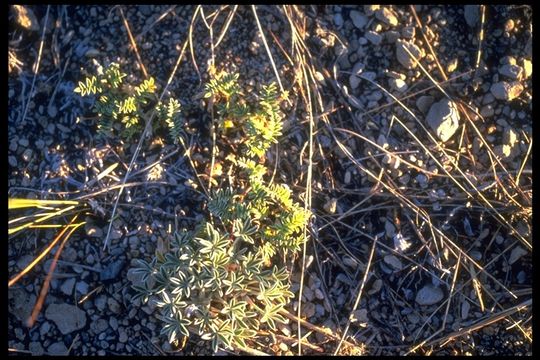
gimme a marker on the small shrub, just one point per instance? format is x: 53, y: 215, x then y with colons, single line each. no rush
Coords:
x: 227, y: 278
x: 127, y: 104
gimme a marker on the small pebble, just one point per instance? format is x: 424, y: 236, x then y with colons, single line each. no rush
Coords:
x: 429, y: 295
x: 358, y: 19
x: 373, y: 37
x: 387, y: 16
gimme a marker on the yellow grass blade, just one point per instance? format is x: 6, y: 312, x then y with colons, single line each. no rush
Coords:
x: 18, y: 203
x: 24, y: 226
x: 45, y: 252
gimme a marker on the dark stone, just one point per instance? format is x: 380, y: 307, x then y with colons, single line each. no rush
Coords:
x: 111, y: 271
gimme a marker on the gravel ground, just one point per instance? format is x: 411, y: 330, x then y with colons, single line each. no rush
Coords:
x: 407, y: 191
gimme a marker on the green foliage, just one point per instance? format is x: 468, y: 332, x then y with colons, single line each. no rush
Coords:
x: 118, y: 102
x: 227, y: 278
x: 170, y: 114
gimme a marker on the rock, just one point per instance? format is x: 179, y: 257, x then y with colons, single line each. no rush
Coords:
x: 69, y: 254
x: 58, y: 349
x: 347, y: 178
x: 516, y: 254
x: 393, y: 261
x: 509, y: 25
x: 508, y: 60
x: 465, y: 307
x: 93, y: 230
x: 511, y: 71
x: 472, y: 14
x: 376, y: 287
x: 391, y: 36
x: 26, y: 18
x: 521, y: 277
x: 92, y: 53
x: 487, y: 111
x: 330, y: 206
x: 369, y: 75
x: 370, y: 9
x: 113, y: 305
x: 52, y: 111
x: 23, y: 142
x: 99, y: 326
x: 424, y: 102
x: 403, y: 56
x: 373, y: 37
x: 100, y: 302
x: 488, y: 98
x: 36, y: 348
x: 21, y: 304
x: 122, y: 336
x: 354, y: 81
x: 510, y: 137
x: 24, y: 261
x: 527, y: 68
x: 82, y: 287
x: 504, y: 151
x: 309, y: 310
x: 111, y: 271
x: 408, y: 32
x: 308, y: 294
x: 443, y: 118
x: 44, y: 329
x: 429, y: 295
x: 27, y: 155
x: 358, y: 68
x: 338, y: 20
x: 506, y: 91
x: 360, y: 315
x: 387, y: 16
x: 359, y: 20
x: 398, y: 84
x: 67, y: 286
x: 67, y: 318
x: 12, y: 161
x: 452, y: 66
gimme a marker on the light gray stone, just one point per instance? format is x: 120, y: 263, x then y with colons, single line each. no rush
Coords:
x: 429, y: 295
x: 373, y: 37
x: 516, y: 254
x: 57, y: 348
x: 359, y: 20
x: 404, y: 58
x: 527, y: 68
x: 511, y: 71
x: 67, y: 286
x: 67, y: 318
x: 506, y: 91
x: 36, y: 348
x: 472, y: 14
x: 387, y: 16
x: 393, y: 261
x: 398, y: 84
x: 443, y: 118
x: 424, y: 102
x: 338, y: 20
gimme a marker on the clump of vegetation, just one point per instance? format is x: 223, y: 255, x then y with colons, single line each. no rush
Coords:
x: 227, y: 278
x: 121, y: 103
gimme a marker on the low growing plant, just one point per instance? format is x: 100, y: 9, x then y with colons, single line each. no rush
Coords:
x: 227, y: 277
x: 130, y: 106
